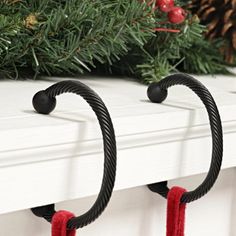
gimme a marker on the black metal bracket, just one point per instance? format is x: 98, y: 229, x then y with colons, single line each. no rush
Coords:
x: 157, y: 93
x: 44, y: 102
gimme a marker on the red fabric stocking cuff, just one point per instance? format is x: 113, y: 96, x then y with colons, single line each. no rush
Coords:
x: 175, y: 212
x: 59, y: 223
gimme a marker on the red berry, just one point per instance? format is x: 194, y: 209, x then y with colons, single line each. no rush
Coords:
x: 165, y: 5
x: 176, y: 15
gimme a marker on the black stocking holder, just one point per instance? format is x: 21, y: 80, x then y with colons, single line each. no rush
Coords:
x: 44, y: 102
x: 157, y: 92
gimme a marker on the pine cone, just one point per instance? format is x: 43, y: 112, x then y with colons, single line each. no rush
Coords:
x: 220, y: 18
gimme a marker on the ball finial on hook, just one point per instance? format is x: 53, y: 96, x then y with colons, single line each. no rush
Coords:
x: 156, y: 93
x: 42, y: 103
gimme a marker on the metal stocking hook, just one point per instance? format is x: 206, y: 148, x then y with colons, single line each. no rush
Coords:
x: 157, y: 92
x: 44, y: 102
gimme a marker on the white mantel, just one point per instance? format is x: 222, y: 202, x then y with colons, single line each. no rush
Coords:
x: 55, y: 158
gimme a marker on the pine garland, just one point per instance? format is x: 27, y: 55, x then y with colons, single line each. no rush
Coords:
x: 126, y: 37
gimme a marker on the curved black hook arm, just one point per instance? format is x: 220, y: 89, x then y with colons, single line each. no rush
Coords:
x: 157, y: 92
x: 44, y: 102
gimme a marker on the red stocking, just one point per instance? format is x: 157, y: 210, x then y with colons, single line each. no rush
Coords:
x: 59, y: 223
x: 175, y: 212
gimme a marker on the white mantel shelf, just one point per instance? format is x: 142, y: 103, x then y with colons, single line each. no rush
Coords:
x: 47, y: 159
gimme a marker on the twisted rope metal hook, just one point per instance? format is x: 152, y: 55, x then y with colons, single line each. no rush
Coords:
x: 157, y: 92
x: 44, y: 102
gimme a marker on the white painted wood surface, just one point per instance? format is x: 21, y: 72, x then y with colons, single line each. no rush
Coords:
x: 139, y: 212
x: 45, y: 159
